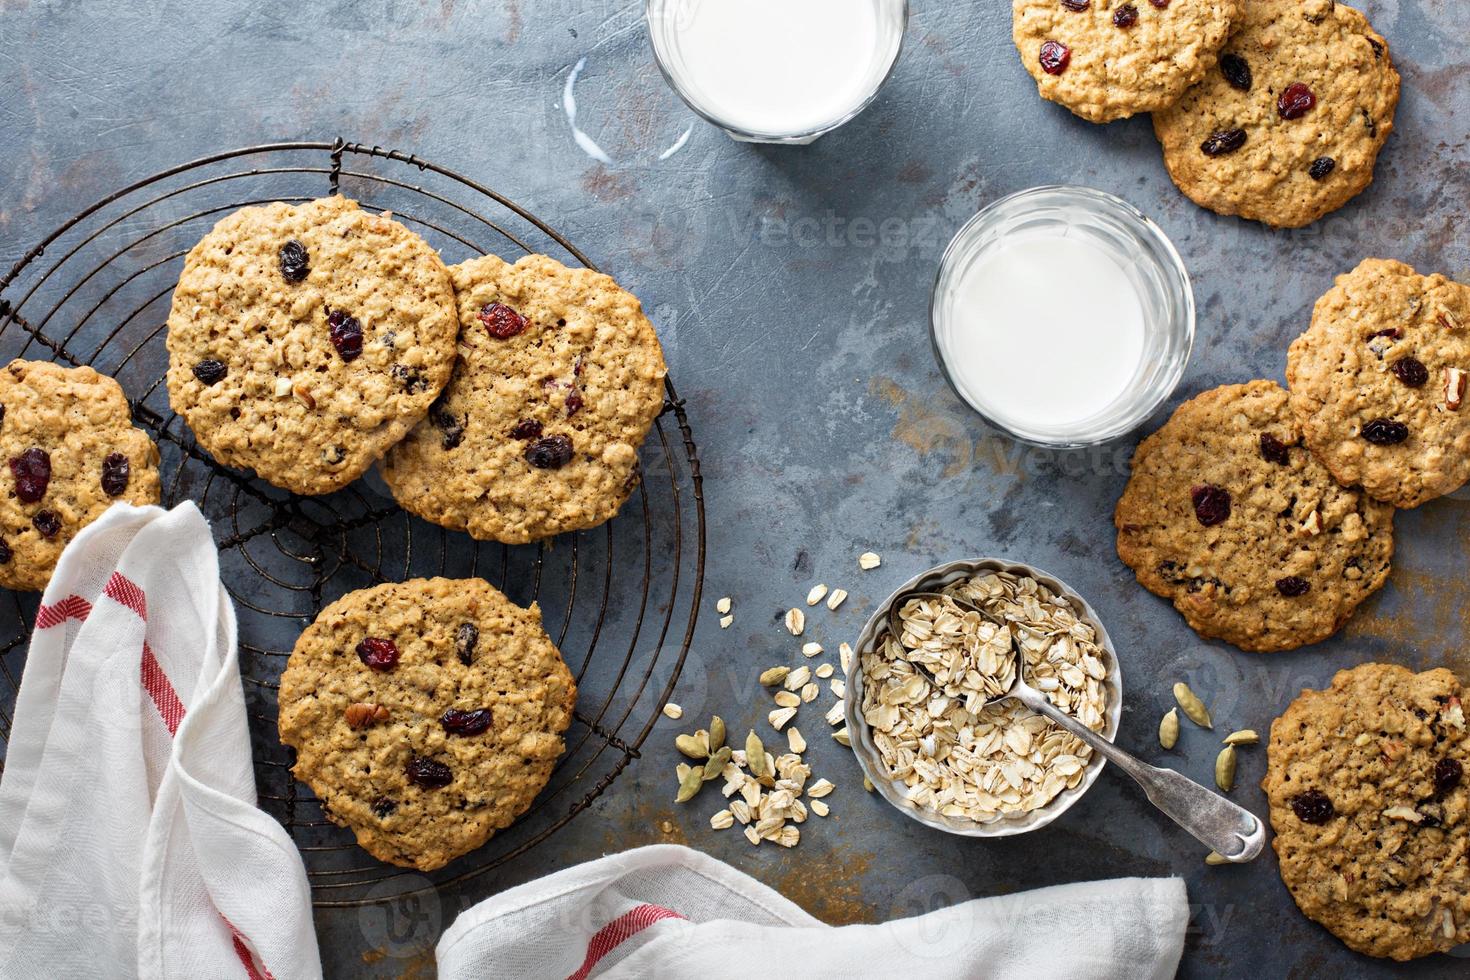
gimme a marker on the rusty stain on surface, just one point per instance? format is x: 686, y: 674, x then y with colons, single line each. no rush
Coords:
x: 605, y: 185
x: 836, y: 895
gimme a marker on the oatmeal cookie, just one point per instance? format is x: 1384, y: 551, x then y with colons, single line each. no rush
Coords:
x: 1288, y: 126
x: 1231, y: 518
x: 559, y: 377
x: 68, y: 436
x: 1369, y: 803
x: 305, y: 340
x: 1108, y: 59
x: 425, y: 715
x: 1378, y: 382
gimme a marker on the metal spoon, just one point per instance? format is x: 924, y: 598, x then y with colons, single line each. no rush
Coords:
x: 1231, y: 831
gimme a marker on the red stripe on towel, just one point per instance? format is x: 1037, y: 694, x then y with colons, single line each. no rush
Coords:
x: 619, y: 931
x: 165, y: 698
x: 72, y: 607
x: 247, y: 958
x: 122, y: 589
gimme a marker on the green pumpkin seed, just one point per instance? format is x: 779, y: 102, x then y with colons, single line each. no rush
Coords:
x: 1194, y: 708
x: 717, y: 762
x: 690, y: 784
x: 1216, y: 858
x: 1246, y: 736
x: 1225, y: 768
x: 691, y: 747
x: 716, y: 733
x: 1169, y: 728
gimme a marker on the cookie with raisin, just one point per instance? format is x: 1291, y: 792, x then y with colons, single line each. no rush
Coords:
x: 426, y: 715
x: 1288, y: 126
x: 1371, y: 808
x: 1378, y: 382
x: 72, y: 452
x: 304, y: 340
x: 1228, y: 516
x: 559, y: 378
x: 1109, y: 59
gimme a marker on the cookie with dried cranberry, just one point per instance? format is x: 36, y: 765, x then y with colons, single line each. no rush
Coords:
x: 67, y: 437
x: 304, y: 340
x: 1228, y: 516
x: 559, y: 377
x: 1378, y: 382
x: 1289, y: 124
x: 425, y: 715
x: 1109, y: 59
x: 1371, y: 807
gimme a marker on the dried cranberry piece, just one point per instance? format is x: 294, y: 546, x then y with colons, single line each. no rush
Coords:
x: 1377, y: 47
x: 346, y: 334
x: 428, y: 773
x: 574, y: 402
x: 458, y: 722
x: 1223, y: 142
x: 1077, y: 5
x: 1292, y: 586
x: 466, y: 638
x: 1295, y: 101
x: 1055, y: 57
x: 1161, y: 4
x: 449, y: 424
x: 1321, y: 167
x: 1313, y: 807
x: 1273, y: 450
x: 1385, y: 432
x: 115, y: 473
x: 1211, y: 504
x: 526, y: 429
x: 1237, y: 71
x: 5, y: 554
x: 210, y: 371
x: 501, y: 321
x: 47, y: 523
x: 1447, y: 773
x: 1411, y: 371
x: 32, y: 470
x: 551, y: 453
x: 378, y: 653
x: 2, y: 413
x: 383, y: 807
x: 1125, y: 16
x: 294, y: 261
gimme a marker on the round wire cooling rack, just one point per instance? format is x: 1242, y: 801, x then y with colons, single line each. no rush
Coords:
x: 620, y: 600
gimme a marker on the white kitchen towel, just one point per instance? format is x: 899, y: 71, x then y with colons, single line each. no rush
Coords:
x: 130, y: 843
x: 672, y: 912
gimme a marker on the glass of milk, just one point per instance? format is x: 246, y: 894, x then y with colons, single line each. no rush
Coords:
x: 776, y: 71
x: 1063, y: 316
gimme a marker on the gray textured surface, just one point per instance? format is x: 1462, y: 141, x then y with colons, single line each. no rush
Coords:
x: 797, y: 333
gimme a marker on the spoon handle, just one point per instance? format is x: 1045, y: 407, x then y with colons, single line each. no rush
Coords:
x: 1227, y: 829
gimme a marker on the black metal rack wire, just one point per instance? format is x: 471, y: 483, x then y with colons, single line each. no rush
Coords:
x: 621, y: 600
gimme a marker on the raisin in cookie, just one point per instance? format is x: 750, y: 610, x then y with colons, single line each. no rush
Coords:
x: 1231, y: 518
x: 1288, y: 126
x: 559, y: 377
x: 305, y: 340
x: 1378, y: 382
x: 1108, y: 59
x: 1371, y: 809
x: 425, y: 715
x: 73, y: 452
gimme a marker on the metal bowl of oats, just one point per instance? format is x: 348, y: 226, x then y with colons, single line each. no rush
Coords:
x: 916, y: 712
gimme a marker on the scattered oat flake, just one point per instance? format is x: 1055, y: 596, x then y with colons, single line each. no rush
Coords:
x: 672, y: 710
x: 867, y: 784
x: 817, y: 593
x: 820, y: 808
x: 795, y: 740
x: 722, y: 820
x: 723, y: 606
x: 795, y: 621
x: 836, y: 598
x: 869, y: 560
x: 811, y: 649
x: 839, y: 688
x: 752, y: 836
x: 798, y: 678
x: 837, y: 713
x: 819, y: 789
x: 810, y: 691
x: 823, y: 671
x: 788, y: 699
x: 842, y: 737
x: 780, y: 717
x: 844, y: 655
x: 725, y: 622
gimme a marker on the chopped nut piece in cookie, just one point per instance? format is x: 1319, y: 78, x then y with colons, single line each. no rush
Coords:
x: 361, y: 714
